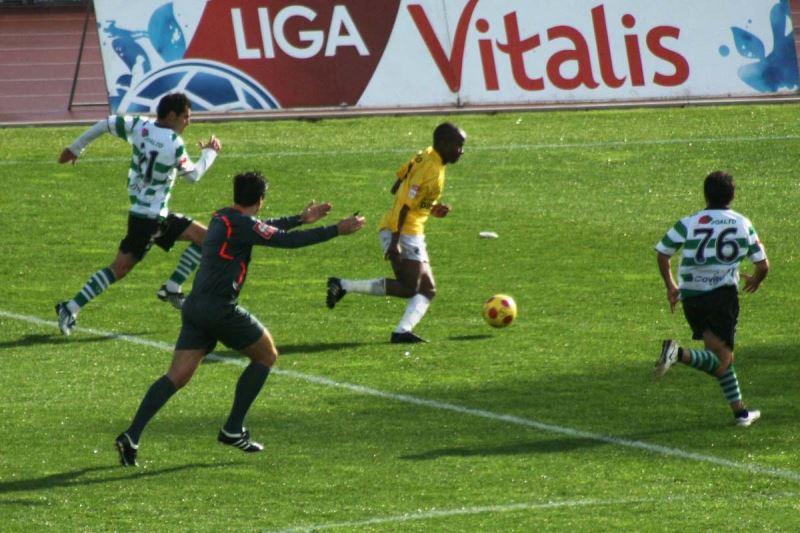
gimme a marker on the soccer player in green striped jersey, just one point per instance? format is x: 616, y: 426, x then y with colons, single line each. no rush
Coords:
x: 158, y: 157
x: 715, y: 241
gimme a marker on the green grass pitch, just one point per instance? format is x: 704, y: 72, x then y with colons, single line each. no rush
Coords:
x: 552, y: 424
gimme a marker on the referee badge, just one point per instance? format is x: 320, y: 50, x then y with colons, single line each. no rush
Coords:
x: 265, y: 230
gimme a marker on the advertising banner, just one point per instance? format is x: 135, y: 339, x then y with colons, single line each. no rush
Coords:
x: 240, y: 55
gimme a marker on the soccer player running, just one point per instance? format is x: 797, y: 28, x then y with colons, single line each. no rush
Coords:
x: 715, y: 241
x: 419, y: 186
x: 211, y: 312
x: 158, y: 157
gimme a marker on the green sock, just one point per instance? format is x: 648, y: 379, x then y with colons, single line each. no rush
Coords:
x: 704, y: 360
x: 97, y: 284
x: 187, y: 264
x: 157, y: 395
x: 729, y: 384
x: 248, y: 387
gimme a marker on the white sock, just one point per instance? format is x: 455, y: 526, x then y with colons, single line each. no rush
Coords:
x: 415, y: 310
x: 172, y: 286
x: 376, y: 287
x: 73, y: 308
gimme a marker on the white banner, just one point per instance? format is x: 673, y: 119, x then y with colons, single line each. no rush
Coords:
x: 265, y: 54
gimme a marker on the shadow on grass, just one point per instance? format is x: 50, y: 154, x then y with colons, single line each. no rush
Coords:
x: 612, y: 403
x: 37, y: 339
x: 75, y: 477
x: 470, y: 337
x: 289, y: 349
x: 526, y: 448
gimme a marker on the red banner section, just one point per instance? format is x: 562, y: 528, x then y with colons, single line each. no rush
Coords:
x: 304, y: 56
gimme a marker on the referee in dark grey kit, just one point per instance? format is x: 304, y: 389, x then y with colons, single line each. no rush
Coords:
x: 211, y: 312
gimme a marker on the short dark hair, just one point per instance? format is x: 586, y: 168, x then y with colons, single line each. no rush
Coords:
x: 177, y: 102
x: 719, y: 188
x: 249, y: 188
x: 447, y: 132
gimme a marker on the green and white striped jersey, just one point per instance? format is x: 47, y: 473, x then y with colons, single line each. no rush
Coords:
x: 714, y: 241
x: 158, y: 157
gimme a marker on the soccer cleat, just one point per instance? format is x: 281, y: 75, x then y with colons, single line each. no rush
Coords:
x: 406, y: 337
x: 239, y: 440
x: 66, y: 320
x: 746, y: 417
x: 335, y: 292
x: 127, y: 450
x: 669, y: 356
x: 175, y: 299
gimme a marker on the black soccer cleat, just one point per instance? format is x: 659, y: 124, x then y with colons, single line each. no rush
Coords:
x: 127, y: 450
x: 66, y: 320
x: 175, y: 299
x: 406, y: 337
x: 335, y: 292
x: 240, y: 440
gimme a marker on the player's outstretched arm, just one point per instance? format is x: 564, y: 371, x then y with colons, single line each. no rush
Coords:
x: 192, y: 172
x: 73, y: 151
x: 265, y: 234
x: 314, y: 211
x: 349, y: 225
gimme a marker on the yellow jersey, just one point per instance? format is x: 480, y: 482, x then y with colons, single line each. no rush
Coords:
x: 421, y: 185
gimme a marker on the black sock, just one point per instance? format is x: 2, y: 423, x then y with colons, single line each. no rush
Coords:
x: 157, y: 395
x: 248, y: 387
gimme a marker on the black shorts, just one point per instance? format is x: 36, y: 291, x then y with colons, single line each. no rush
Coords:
x: 716, y: 311
x: 208, y: 319
x: 143, y: 232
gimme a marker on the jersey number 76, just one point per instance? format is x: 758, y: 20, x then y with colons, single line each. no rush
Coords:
x: 724, y: 250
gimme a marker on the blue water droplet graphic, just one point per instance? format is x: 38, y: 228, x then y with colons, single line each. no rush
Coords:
x: 775, y: 71
x: 165, y: 34
x: 747, y: 44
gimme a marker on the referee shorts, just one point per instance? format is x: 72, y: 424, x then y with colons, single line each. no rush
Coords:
x: 205, y: 320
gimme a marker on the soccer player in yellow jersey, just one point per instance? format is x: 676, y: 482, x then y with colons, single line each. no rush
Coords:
x: 419, y: 186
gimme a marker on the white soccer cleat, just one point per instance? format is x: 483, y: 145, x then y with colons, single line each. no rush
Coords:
x: 669, y: 356
x: 747, y: 417
x: 175, y: 299
x: 66, y: 320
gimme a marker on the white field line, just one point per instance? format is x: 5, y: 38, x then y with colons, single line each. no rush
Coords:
x: 89, y: 160
x: 667, y: 451
x: 514, y: 507
x: 445, y: 513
